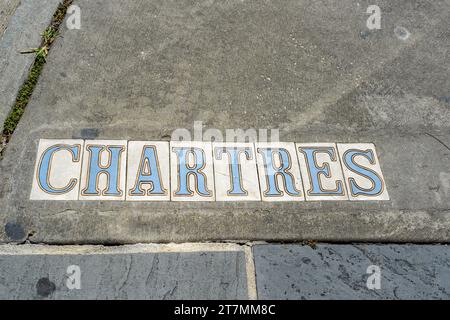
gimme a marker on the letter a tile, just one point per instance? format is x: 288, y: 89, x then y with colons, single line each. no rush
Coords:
x: 362, y: 172
x: 235, y: 173
x: 148, y: 171
x: 57, y: 170
x: 103, y: 174
x: 191, y: 166
x: 279, y: 172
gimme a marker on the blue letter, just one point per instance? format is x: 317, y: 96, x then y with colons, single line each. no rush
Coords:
x: 349, y: 161
x: 315, y: 171
x: 272, y: 172
x: 234, y: 167
x: 148, y: 173
x: 45, y: 166
x: 184, y: 171
x: 112, y: 170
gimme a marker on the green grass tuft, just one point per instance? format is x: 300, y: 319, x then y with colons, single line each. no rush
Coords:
x: 23, y: 96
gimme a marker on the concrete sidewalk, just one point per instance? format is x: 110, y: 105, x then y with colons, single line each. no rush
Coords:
x: 313, y: 71
x: 7, y: 9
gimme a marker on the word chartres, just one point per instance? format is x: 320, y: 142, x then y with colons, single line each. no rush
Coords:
x: 205, y: 171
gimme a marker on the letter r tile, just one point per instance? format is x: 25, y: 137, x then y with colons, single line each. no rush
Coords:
x: 57, y: 170
x: 191, y: 166
x: 321, y: 171
x: 148, y: 171
x: 279, y: 172
x: 103, y: 173
x: 362, y: 172
x: 235, y: 172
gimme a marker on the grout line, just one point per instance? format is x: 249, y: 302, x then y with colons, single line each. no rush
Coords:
x: 81, y: 169
x: 170, y: 171
x: 255, y: 153
x: 296, y: 148
x: 341, y: 164
x: 251, y: 273
x: 125, y: 189
x: 213, y: 171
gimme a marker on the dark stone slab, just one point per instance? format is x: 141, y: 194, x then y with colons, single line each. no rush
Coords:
x: 198, y: 275
x: 340, y: 271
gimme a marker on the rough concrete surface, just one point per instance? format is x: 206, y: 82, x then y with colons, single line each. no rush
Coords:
x: 23, y: 31
x: 312, y: 70
x: 7, y: 8
x: 175, y: 275
x: 340, y: 271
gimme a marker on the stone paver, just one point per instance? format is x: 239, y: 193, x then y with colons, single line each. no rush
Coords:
x: 175, y: 275
x: 23, y: 32
x: 341, y: 271
x: 139, y: 70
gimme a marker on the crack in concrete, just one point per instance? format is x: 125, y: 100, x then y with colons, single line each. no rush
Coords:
x: 438, y: 140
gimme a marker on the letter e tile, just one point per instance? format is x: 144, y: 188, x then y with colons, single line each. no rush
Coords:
x: 321, y: 171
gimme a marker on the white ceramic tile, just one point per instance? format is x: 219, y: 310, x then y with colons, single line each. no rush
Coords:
x: 148, y: 161
x: 362, y: 157
x: 321, y: 171
x: 57, y: 170
x: 112, y: 157
x: 192, y: 154
x: 265, y: 152
x: 235, y: 172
